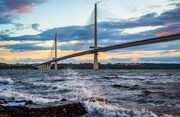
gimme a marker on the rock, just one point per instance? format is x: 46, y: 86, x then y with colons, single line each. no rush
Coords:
x: 119, y: 86
x: 2, y: 101
x: 55, y: 88
x: 29, y: 103
x: 57, y: 109
x: 101, y: 101
x: 63, y: 99
x: 142, y: 101
x: 146, y: 93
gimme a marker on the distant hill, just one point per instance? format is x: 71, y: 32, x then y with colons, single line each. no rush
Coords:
x: 102, y: 66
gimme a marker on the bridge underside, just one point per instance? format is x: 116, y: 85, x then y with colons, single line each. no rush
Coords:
x: 108, y: 48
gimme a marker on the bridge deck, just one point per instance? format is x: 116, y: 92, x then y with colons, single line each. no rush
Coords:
x: 119, y: 46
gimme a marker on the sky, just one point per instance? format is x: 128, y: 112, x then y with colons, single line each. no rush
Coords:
x: 27, y: 29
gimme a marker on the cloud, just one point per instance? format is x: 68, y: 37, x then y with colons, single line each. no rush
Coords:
x: 12, y: 9
x: 110, y: 29
x: 35, y: 26
x: 109, y: 32
x: 24, y: 47
x: 166, y: 59
x: 5, y: 19
x: 177, y: 5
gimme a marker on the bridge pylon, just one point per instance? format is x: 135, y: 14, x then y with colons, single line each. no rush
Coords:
x: 56, y: 63
x: 96, y: 64
x: 44, y: 67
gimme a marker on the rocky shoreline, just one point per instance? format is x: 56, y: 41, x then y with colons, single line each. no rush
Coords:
x: 55, y: 109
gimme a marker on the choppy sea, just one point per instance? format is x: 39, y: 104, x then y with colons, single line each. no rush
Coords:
x: 130, y: 93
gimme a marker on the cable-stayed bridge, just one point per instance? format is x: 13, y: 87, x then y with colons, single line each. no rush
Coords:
x: 96, y: 49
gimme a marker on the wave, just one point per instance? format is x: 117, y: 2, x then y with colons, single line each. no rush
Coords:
x: 14, y: 97
x: 94, y: 109
x: 6, y: 81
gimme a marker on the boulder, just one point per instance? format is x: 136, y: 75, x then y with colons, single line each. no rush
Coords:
x: 56, y: 109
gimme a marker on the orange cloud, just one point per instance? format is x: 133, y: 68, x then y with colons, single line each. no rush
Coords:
x: 177, y: 5
x: 171, y: 23
x: 24, y: 8
x: 10, y: 56
x: 165, y: 33
x: 20, y: 7
x: 44, y: 54
x: 133, y: 55
x: 7, y: 42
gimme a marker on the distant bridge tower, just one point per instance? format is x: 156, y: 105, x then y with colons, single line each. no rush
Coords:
x: 96, y: 64
x: 55, y: 50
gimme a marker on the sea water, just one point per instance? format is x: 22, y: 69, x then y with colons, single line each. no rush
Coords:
x: 130, y: 93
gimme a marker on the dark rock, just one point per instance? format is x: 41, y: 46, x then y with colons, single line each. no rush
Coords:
x: 2, y: 101
x: 4, y: 83
x: 64, y: 91
x: 55, y: 88
x: 142, y: 101
x: 157, y: 101
x: 119, y: 86
x: 135, y: 87
x: 61, y: 109
x: 146, y: 93
x: 63, y: 99
x: 101, y: 101
x: 29, y: 103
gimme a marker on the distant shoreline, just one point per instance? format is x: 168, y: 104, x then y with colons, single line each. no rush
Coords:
x: 102, y: 66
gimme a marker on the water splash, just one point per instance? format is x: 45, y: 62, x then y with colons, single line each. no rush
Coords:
x: 6, y: 81
x: 19, y: 97
x: 81, y: 85
x: 94, y: 109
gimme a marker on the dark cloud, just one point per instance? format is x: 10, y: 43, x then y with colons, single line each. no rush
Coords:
x: 109, y: 33
x: 165, y: 59
x: 24, y: 47
x: 4, y: 19
x: 28, y: 60
x: 177, y: 5
x: 35, y: 26
x: 11, y: 9
x: 18, y: 25
x: 110, y: 29
x: 151, y: 19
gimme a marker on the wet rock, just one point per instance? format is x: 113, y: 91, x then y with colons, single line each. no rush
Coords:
x: 132, y: 87
x: 61, y: 109
x: 63, y: 99
x: 55, y: 88
x: 142, y: 101
x: 29, y: 103
x: 167, y: 95
x: 157, y: 101
x: 4, y: 82
x: 64, y: 91
x: 161, y: 110
x: 135, y: 87
x: 119, y: 86
x: 111, y: 77
x: 101, y: 101
x: 2, y: 101
x: 146, y: 93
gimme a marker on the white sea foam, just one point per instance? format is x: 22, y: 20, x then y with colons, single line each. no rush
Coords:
x: 86, y: 89
x: 94, y: 109
x: 6, y: 80
x: 18, y: 96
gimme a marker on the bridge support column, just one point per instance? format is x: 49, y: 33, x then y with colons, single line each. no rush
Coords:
x: 96, y: 64
x: 55, y: 66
